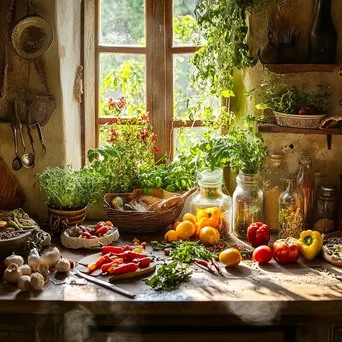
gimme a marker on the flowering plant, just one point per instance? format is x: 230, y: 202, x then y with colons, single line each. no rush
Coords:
x: 130, y: 145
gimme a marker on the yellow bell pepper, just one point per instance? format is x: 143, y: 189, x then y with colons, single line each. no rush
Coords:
x: 310, y: 244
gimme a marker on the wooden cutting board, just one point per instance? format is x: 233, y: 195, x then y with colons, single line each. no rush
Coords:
x: 332, y: 260
x: 11, y: 195
x: 112, y: 278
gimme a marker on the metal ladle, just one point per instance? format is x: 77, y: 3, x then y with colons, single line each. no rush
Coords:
x: 16, y: 163
x: 28, y: 159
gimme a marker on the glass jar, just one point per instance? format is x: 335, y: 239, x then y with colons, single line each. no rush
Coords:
x: 326, y: 209
x: 273, y: 188
x: 319, y: 179
x: 210, y: 195
x: 305, y: 183
x: 247, y: 203
x: 290, y: 210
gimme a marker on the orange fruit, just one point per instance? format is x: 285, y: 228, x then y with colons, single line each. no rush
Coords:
x: 202, y: 213
x: 190, y: 217
x: 197, y: 231
x: 171, y: 235
x: 175, y: 224
x: 185, y: 230
x: 209, y: 236
x: 230, y: 257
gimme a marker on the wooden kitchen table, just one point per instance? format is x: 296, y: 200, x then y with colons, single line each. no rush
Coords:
x: 301, y: 302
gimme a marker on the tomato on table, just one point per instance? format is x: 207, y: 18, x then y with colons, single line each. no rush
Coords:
x: 262, y: 254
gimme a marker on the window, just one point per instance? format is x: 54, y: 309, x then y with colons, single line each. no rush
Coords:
x: 142, y: 52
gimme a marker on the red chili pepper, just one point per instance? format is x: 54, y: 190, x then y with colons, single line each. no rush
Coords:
x: 127, y: 248
x: 205, y: 264
x: 98, y: 263
x: 166, y: 251
x: 112, y: 249
x: 145, y: 262
x: 102, y: 230
x: 215, y: 264
x: 86, y: 234
x: 125, y: 268
x: 130, y: 256
x: 106, y: 267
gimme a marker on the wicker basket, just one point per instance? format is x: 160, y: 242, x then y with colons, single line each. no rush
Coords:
x: 298, y: 121
x: 146, y: 221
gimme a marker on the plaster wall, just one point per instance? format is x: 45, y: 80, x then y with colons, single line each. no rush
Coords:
x: 301, y: 14
x: 62, y: 132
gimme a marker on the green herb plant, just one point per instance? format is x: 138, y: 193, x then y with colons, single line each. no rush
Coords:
x: 68, y: 189
x: 186, y: 251
x: 169, y: 276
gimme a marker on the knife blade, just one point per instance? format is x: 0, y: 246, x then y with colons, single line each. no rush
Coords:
x: 105, y: 284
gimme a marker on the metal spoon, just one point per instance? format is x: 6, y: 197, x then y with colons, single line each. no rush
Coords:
x: 16, y: 163
x: 40, y: 134
x: 28, y: 159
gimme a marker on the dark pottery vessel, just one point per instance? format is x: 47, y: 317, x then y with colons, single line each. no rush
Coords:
x: 268, y: 54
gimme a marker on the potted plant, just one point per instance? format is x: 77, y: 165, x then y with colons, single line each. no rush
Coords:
x: 68, y: 192
x: 293, y: 106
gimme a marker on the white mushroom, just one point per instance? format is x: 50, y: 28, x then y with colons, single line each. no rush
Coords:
x: 24, y: 283
x: 25, y: 269
x: 12, y: 274
x: 14, y: 259
x: 34, y: 260
x: 63, y: 265
x: 37, y: 281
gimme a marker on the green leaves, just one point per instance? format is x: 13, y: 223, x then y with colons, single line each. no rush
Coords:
x: 169, y: 276
x: 186, y: 251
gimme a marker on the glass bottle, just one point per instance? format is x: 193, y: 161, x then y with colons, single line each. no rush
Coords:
x: 290, y: 210
x: 247, y: 203
x: 210, y: 195
x: 326, y: 209
x: 273, y: 187
x: 305, y: 182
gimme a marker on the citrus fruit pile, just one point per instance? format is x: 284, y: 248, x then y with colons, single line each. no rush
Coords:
x: 203, y: 226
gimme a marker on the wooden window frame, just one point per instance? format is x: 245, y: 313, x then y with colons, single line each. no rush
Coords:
x: 159, y: 53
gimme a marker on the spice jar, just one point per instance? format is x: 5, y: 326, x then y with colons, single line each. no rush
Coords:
x: 210, y: 195
x: 305, y: 183
x: 290, y: 210
x: 273, y: 188
x: 326, y: 209
x: 247, y: 203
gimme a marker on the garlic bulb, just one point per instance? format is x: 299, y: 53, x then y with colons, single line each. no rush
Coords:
x: 37, y: 281
x: 52, y: 257
x: 34, y: 260
x: 24, y: 283
x: 25, y: 269
x: 12, y: 274
x: 63, y: 265
x: 14, y: 259
x: 43, y: 269
x: 47, y: 240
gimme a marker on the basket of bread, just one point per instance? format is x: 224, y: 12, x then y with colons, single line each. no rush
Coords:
x: 137, y: 212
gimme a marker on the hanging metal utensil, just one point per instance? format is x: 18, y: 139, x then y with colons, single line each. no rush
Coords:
x: 16, y: 163
x: 28, y: 159
x: 40, y: 134
x: 20, y: 125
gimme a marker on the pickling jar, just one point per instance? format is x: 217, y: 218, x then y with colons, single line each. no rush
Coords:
x: 247, y: 203
x: 211, y: 196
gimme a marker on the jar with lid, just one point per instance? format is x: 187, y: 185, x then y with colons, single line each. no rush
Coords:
x: 290, y: 210
x: 247, y: 203
x: 210, y: 195
x: 273, y: 188
x: 326, y: 209
x: 305, y: 183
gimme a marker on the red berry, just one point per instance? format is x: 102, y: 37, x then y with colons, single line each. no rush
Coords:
x: 303, y: 111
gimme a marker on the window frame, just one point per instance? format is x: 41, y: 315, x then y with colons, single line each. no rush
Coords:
x: 159, y: 53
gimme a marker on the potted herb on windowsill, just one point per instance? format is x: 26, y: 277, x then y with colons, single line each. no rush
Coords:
x: 293, y: 106
x: 68, y: 192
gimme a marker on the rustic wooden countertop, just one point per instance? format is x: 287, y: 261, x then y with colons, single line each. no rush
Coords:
x: 249, y: 290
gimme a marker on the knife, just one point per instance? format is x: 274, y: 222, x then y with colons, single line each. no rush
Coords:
x: 105, y: 284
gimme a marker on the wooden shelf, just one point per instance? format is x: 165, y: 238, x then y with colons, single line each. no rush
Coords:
x: 297, y: 68
x: 274, y: 128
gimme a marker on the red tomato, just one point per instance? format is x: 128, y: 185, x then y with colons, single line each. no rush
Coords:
x: 99, y: 225
x: 285, y: 251
x: 258, y: 234
x: 262, y: 254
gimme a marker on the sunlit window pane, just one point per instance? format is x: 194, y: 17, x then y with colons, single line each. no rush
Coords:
x: 122, y: 22
x: 186, y: 137
x: 122, y: 75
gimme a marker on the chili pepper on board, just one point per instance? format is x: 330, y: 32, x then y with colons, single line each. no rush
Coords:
x: 145, y: 262
x: 112, y: 249
x: 130, y: 256
x: 107, y: 266
x: 124, y: 268
x: 99, y: 262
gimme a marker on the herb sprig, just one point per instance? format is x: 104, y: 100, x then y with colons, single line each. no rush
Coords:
x: 169, y: 276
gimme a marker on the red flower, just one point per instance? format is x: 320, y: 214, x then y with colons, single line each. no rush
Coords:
x: 155, y: 149
x: 109, y: 139
x: 114, y: 132
x: 115, y: 120
x: 145, y: 117
x: 154, y: 138
x: 143, y: 135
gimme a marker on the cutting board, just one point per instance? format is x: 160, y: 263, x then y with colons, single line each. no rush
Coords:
x: 332, y: 260
x: 112, y: 278
x: 11, y: 195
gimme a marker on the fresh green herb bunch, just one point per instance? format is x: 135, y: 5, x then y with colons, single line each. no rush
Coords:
x: 186, y: 251
x: 67, y: 188
x: 275, y: 95
x: 169, y: 276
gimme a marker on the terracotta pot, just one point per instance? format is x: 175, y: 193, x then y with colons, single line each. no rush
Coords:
x: 73, y: 216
